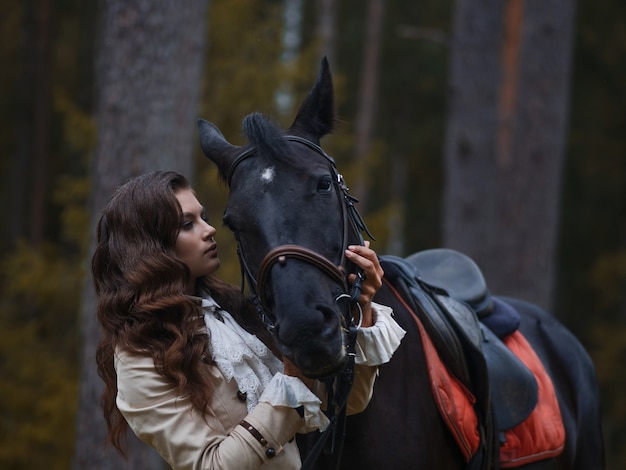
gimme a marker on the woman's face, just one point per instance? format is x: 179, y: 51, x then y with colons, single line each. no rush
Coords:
x: 195, y: 245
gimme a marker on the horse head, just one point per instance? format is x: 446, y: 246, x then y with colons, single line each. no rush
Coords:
x: 287, y: 210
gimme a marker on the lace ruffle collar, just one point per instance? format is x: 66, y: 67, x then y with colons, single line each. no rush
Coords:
x: 239, y: 354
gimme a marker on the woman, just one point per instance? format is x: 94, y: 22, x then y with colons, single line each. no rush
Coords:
x: 187, y: 363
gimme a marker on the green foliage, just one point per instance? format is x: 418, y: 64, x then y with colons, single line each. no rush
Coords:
x: 70, y: 195
x: 243, y: 72
x: 40, y: 286
x: 244, y: 38
x: 38, y: 345
x: 78, y: 127
x: 42, y: 280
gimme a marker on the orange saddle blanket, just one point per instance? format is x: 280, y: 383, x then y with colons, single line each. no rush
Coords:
x: 540, y: 436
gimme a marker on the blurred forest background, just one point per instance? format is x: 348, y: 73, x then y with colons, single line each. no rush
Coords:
x: 95, y: 92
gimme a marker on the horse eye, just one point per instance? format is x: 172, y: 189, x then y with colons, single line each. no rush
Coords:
x: 324, y: 185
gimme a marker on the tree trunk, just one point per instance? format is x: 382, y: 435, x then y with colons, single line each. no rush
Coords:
x: 504, y: 150
x: 327, y: 29
x: 41, y: 130
x: 396, y: 222
x: 366, y: 107
x: 149, y: 66
x: 32, y: 108
x: 291, y: 43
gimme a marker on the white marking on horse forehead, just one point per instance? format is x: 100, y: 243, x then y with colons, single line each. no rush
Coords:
x: 267, y: 175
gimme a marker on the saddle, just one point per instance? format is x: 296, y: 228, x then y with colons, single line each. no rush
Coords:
x: 458, y: 312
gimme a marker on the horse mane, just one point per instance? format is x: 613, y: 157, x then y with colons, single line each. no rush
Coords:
x: 265, y: 135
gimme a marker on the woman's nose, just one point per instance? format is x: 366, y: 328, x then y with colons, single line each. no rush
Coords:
x: 209, y: 230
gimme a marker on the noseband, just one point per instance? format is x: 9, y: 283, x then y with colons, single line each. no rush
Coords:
x: 281, y: 253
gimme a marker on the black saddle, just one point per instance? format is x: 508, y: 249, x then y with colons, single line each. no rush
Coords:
x: 460, y: 277
x: 456, y: 274
x: 448, y: 290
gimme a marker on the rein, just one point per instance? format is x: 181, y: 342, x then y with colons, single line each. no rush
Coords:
x: 339, y: 387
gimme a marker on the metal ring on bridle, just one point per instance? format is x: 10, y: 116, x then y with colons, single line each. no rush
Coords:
x: 346, y: 296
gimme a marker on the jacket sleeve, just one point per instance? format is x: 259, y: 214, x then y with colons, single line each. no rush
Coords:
x: 374, y: 346
x: 186, y: 439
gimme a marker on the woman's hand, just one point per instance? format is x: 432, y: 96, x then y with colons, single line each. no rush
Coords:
x: 366, y: 259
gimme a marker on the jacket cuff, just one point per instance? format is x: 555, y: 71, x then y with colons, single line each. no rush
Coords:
x: 267, y: 429
x: 376, y: 344
x: 290, y: 392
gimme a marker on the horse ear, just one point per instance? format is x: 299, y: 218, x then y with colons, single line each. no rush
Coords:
x: 215, y: 146
x: 316, y: 115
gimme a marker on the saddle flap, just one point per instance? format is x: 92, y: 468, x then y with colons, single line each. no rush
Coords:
x: 465, y: 319
x: 513, y: 387
x: 443, y: 334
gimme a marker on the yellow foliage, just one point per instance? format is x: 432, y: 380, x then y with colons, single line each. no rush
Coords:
x: 71, y: 195
x: 43, y: 279
x: 37, y: 399
x: 38, y: 344
x: 79, y: 128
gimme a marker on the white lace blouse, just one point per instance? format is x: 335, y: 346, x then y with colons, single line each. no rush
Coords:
x: 258, y: 372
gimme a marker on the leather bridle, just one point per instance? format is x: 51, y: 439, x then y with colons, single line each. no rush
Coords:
x: 281, y: 253
x: 352, y: 220
x: 338, y: 387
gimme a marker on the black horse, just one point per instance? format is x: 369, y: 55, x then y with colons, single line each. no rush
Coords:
x: 292, y: 216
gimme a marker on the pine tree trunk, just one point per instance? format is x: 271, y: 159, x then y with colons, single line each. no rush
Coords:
x: 504, y: 153
x: 25, y: 176
x: 366, y: 107
x: 327, y: 29
x: 41, y: 128
x: 149, y: 67
x: 291, y: 43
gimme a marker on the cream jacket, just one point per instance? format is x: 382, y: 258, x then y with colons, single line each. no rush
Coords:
x: 165, y: 420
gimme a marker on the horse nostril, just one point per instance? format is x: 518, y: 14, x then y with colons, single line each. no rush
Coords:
x: 329, y: 315
x: 330, y: 321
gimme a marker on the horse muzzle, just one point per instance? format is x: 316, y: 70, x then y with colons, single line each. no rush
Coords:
x: 309, y: 331
x: 314, y: 340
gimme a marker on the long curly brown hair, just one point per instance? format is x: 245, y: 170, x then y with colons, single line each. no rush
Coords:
x: 140, y: 285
